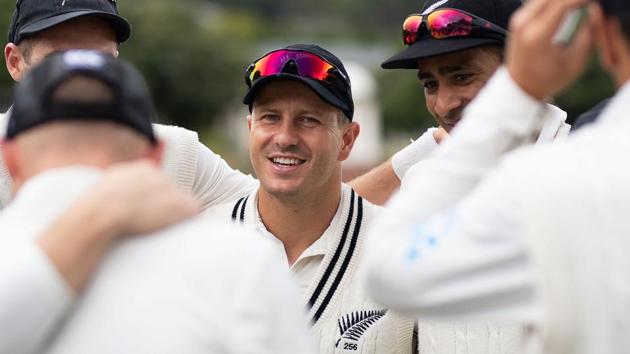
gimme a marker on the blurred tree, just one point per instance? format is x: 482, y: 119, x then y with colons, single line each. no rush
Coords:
x: 593, y: 86
x: 6, y: 83
x: 190, y: 69
x: 193, y: 52
x: 403, y: 104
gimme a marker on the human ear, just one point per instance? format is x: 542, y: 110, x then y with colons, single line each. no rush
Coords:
x: 348, y: 138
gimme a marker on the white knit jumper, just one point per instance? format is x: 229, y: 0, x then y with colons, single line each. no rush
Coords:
x: 179, y: 160
x: 343, y: 319
x: 471, y: 338
x: 6, y: 184
x: 180, y: 156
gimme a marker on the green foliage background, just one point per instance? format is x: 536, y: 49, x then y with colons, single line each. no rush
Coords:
x: 193, y: 53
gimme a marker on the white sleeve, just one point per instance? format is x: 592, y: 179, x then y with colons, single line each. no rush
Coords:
x: 468, y: 263
x: 417, y: 150
x: 33, y: 297
x: 216, y: 182
x: 5, y: 179
x: 6, y: 185
x: 271, y: 315
x: 500, y: 119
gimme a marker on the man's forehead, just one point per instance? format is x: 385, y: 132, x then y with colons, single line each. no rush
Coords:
x: 461, y: 58
x: 464, y: 58
x: 282, y: 91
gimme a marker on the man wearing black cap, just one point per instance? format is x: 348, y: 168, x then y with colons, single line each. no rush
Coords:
x: 301, y: 130
x: 456, y: 46
x: 558, y: 263
x: 39, y: 28
x: 66, y: 114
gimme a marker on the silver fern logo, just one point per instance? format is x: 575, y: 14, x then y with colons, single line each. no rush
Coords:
x: 354, y: 325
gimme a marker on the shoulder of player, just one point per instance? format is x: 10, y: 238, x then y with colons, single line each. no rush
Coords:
x: 206, y: 235
x: 170, y: 133
x: 368, y: 208
x: 222, y: 211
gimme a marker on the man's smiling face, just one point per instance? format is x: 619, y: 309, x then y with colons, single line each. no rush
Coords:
x: 297, y: 140
x: 451, y: 81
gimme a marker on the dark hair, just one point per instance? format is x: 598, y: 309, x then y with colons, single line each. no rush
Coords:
x: 496, y: 49
x: 619, y: 9
x: 624, y: 20
x: 26, y: 48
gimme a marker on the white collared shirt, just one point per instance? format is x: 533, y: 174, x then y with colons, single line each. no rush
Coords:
x: 305, y: 267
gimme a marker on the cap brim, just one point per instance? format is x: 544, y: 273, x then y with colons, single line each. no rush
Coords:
x: 430, y: 47
x: 314, y: 85
x: 120, y: 24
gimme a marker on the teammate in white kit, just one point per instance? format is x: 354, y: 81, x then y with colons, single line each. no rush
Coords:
x: 182, y: 289
x: 39, y: 28
x: 301, y: 130
x: 538, y: 237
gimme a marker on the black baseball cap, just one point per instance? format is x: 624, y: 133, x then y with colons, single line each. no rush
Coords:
x: 615, y: 7
x: 496, y: 11
x: 33, y: 16
x: 338, y: 94
x: 34, y: 102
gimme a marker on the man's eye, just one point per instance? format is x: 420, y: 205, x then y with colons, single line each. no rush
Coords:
x: 430, y: 85
x: 309, y: 120
x: 463, y: 78
x: 268, y: 118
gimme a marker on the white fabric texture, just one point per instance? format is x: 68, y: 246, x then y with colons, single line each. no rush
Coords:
x: 216, y: 182
x: 6, y: 184
x: 338, y: 308
x: 184, y: 289
x: 418, y: 150
x: 198, y: 170
x: 554, y: 128
x: 180, y: 154
x: 305, y: 267
x: 427, y: 258
x: 34, y: 297
x: 575, y: 204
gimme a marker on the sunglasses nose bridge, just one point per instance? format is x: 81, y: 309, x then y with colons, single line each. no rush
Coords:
x: 291, y: 67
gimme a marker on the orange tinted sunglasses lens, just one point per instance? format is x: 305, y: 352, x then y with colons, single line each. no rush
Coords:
x: 449, y: 23
x: 411, y: 26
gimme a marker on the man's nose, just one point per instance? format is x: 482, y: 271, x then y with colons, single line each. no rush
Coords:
x: 286, y: 134
x: 446, y: 101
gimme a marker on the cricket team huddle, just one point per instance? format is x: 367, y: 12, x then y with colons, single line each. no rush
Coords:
x: 500, y: 230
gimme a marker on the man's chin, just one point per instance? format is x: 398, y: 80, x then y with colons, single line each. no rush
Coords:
x: 281, y: 190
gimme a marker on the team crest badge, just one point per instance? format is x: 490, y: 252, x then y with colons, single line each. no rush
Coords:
x: 354, y: 325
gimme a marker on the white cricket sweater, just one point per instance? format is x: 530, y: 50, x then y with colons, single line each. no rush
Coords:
x: 578, y: 232
x: 344, y: 319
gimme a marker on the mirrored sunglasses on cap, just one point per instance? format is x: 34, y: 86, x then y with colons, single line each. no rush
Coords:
x: 446, y: 23
x: 308, y: 65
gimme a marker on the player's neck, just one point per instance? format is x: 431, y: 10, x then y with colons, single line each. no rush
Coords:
x: 298, y: 222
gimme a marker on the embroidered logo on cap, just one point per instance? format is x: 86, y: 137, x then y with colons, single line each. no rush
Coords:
x: 83, y: 59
